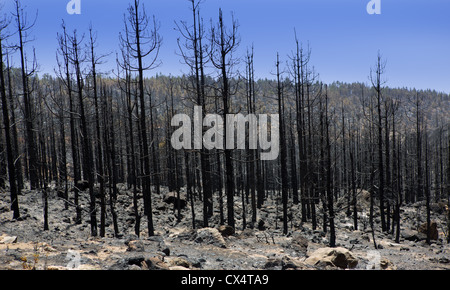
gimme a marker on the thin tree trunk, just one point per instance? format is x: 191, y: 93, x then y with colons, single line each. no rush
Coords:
x: 330, y: 200
x: 28, y: 113
x: 16, y: 149
x: 86, y: 144
x: 14, y: 190
x: 284, y: 174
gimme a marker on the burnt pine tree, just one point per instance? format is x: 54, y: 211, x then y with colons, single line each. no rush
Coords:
x: 396, y: 172
x: 388, y: 183
x: 448, y: 189
x: 330, y: 201
x: 369, y: 115
x: 130, y: 107
x: 322, y: 162
x: 95, y: 60
x: 352, y: 154
x: 110, y: 153
x: 16, y: 149
x: 194, y: 53
x: 172, y: 156
x: 42, y: 147
x: 142, y: 40
x: 64, y: 72
x: 427, y: 187
x: 154, y: 146
x: 14, y: 190
x: 377, y: 85
x: 76, y: 58
x: 23, y: 27
x: 253, y: 179
x: 224, y: 43
x: 300, y: 60
x: 419, y: 122
x: 63, y: 181
x: 283, y: 149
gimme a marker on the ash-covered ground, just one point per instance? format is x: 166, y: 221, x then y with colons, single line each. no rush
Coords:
x: 177, y: 246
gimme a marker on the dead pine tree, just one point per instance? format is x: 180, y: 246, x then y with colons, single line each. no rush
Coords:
x: 42, y: 148
x: 253, y: 179
x: 12, y: 115
x: 224, y: 42
x: 353, y: 178
x: 65, y: 75
x: 448, y: 190
x: 95, y: 60
x: 154, y: 146
x: 419, y: 124
x: 63, y: 182
x: 14, y: 189
x: 142, y: 41
x: 300, y: 60
x: 125, y: 85
x: 328, y: 170
x: 368, y: 109
x: 427, y: 187
x: 388, y: 107
x: 23, y: 26
x: 77, y: 58
x: 194, y: 51
x: 283, y: 148
x: 172, y: 154
x: 377, y: 84
x: 396, y: 172
x: 322, y: 163
x: 110, y: 152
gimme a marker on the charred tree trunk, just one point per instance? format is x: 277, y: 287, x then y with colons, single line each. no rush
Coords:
x: 14, y: 190
x: 85, y: 140
x: 252, y: 177
x: 377, y: 86
x: 15, y: 143
x: 427, y: 188
x: 330, y: 201
x: 30, y: 140
x: 67, y: 79
x: 110, y: 151
x: 142, y: 40
x: 283, y: 149
x: 100, y: 167
x: 224, y: 43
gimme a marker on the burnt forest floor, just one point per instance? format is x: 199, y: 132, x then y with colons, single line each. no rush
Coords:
x: 66, y: 245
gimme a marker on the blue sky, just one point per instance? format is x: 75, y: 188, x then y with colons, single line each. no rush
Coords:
x: 412, y: 35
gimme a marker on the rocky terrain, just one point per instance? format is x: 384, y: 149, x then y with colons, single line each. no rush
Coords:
x: 176, y: 246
